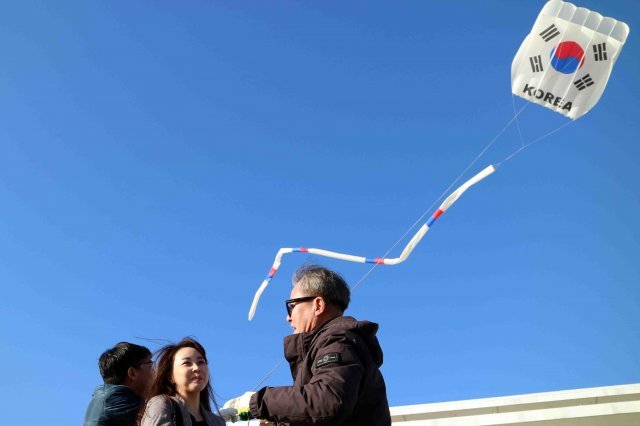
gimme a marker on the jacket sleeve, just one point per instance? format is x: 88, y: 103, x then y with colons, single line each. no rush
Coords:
x: 328, y: 398
x: 158, y: 412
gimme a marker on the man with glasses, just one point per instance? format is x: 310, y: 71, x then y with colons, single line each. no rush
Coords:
x: 334, y: 361
x: 127, y: 370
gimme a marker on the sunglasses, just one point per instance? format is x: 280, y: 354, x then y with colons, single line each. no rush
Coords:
x: 291, y: 303
x: 140, y: 364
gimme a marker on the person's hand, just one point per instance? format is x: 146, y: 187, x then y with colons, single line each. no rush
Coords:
x: 241, y: 405
x: 229, y: 414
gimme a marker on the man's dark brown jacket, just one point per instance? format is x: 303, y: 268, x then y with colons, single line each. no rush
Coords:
x: 336, y: 376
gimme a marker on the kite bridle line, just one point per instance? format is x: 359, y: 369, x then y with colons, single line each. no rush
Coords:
x: 536, y: 140
x: 513, y: 101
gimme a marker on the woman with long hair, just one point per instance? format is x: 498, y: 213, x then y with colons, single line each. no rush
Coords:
x: 181, y: 393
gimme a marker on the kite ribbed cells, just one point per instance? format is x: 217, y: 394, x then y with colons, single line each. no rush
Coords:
x: 563, y: 64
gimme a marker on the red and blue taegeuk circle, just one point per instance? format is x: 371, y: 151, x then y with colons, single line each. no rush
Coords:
x: 567, y: 57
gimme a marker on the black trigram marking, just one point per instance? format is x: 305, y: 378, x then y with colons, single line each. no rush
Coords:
x: 600, y: 52
x: 536, y: 63
x: 550, y: 33
x: 584, y: 82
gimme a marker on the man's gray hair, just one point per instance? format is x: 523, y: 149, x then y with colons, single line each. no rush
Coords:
x: 315, y: 280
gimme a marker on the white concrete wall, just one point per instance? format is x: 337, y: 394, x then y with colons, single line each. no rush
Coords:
x: 602, y: 406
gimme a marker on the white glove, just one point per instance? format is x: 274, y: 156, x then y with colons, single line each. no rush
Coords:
x: 229, y: 414
x: 241, y: 405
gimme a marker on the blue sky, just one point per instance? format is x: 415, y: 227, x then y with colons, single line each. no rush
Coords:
x: 155, y: 156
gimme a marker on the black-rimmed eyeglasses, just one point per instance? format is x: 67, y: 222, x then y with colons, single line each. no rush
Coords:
x: 291, y: 303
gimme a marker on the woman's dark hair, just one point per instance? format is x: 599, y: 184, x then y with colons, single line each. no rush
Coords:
x: 162, y: 385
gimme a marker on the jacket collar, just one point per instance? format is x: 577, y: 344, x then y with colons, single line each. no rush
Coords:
x: 296, y: 346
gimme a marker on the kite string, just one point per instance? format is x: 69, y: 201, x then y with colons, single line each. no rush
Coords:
x: 273, y: 370
x: 421, y: 218
x: 353, y: 288
x: 465, y: 170
x: 522, y: 148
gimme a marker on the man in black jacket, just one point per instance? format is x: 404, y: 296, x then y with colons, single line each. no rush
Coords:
x: 127, y: 371
x: 334, y: 361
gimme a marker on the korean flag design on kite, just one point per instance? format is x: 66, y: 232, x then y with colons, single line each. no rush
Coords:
x: 565, y: 62
x: 567, y: 57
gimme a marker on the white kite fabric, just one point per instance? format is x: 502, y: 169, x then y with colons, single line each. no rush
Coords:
x: 448, y: 202
x: 565, y: 62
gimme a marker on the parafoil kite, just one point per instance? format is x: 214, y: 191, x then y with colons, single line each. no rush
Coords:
x: 563, y: 64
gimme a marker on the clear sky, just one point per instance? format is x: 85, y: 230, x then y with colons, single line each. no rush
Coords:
x: 156, y: 154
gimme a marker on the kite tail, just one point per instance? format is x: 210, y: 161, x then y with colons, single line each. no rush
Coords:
x: 415, y: 240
